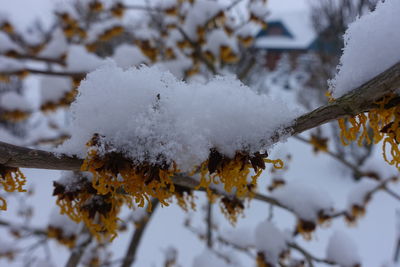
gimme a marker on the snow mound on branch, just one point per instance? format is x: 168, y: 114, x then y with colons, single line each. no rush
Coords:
x: 216, y: 39
x: 128, y: 55
x: 7, y: 45
x: 359, y: 194
x: 199, y: 15
x: 241, y: 237
x: 371, y: 46
x: 57, y: 46
x: 270, y: 240
x: 62, y: 222
x: 80, y: 60
x: 73, y: 182
x: 10, y: 64
x: 305, y: 200
x: 42, y: 263
x: 145, y: 113
x: 209, y: 259
x: 342, y: 250
x: 11, y: 101
x: 54, y: 88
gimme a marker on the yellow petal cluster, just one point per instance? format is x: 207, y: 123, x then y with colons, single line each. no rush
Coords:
x: 11, y: 179
x: 383, y: 121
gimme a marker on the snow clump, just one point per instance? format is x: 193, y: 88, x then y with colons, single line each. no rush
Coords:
x: 371, y: 46
x: 145, y: 112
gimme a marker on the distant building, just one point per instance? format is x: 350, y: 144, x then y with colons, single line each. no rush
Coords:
x: 291, y: 33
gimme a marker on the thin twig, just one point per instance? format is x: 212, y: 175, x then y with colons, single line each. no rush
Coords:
x: 309, y: 257
x: 246, y: 250
x: 44, y: 72
x: 233, y: 4
x: 353, y: 167
x: 145, y: 8
x: 209, y: 224
x: 58, y: 61
x: 391, y: 193
x: 198, y: 52
x: 77, y: 251
x: 31, y: 230
x: 130, y: 254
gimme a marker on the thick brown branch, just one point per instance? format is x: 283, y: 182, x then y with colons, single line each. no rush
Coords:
x: 21, y: 157
x: 355, y: 102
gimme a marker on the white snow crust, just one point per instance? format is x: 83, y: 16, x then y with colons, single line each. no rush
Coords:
x: 7, y: 45
x: 371, y: 46
x: 128, y: 55
x: 358, y: 194
x: 269, y: 240
x: 10, y: 64
x: 57, y: 46
x: 146, y: 113
x: 209, y: 259
x: 11, y: 101
x: 54, y: 88
x: 216, y: 39
x: 80, y: 60
x: 60, y: 221
x: 242, y: 237
x: 198, y: 15
x: 342, y: 250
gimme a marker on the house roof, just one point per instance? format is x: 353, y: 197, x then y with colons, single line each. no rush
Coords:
x: 297, y: 23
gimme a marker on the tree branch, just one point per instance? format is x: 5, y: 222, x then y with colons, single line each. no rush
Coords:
x: 137, y: 235
x: 357, y: 101
x: 209, y: 224
x: 309, y: 257
x: 58, y: 61
x: 30, y: 230
x: 21, y: 157
x: 45, y: 72
x: 356, y: 170
x: 79, y: 249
